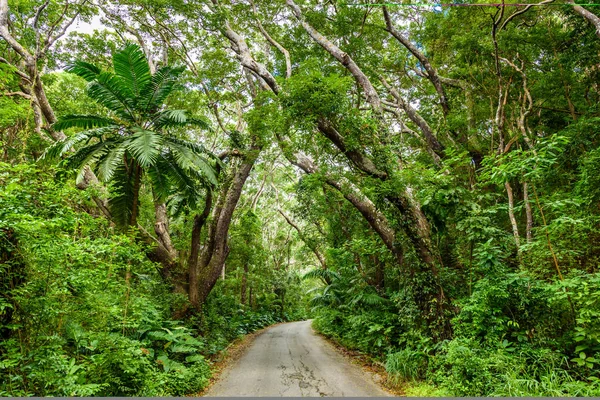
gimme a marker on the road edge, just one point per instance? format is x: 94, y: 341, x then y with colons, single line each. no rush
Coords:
x: 370, y: 367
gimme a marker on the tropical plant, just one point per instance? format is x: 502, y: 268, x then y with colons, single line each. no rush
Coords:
x: 136, y: 136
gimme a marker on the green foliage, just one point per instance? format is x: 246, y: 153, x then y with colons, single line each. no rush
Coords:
x: 83, y: 311
x: 476, y: 297
x: 406, y: 365
x: 136, y: 137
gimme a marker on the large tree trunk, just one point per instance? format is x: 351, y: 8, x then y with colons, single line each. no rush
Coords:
x: 199, y: 222
x: 214, y: 255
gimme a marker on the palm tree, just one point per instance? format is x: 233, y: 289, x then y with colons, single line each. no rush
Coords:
x: 136, y: 137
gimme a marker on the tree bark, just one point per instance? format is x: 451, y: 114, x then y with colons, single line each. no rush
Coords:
x: 590, y: 17
x: 199, y: 222
x: 511, y: 215
x: 367, y: 209
x: 213, y: 256
x: 277, y: 45
x: 342, y: 57
x: 432, y: 142
x: 432, y: 74
x: 356, y: 157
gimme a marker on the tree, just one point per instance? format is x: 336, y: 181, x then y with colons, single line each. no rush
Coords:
x: 135, y: 138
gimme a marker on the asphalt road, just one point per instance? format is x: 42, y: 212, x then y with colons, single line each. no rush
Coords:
x: 291, y: 360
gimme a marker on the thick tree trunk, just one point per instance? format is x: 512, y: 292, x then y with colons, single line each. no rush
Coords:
x: 199, y: 222
x: 213, y: 257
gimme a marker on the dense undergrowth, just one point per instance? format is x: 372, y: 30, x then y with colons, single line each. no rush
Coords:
x: 83, y: 312
x: 513, y: 337
x: 528, y: 327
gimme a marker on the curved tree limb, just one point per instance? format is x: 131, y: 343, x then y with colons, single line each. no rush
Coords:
x: 432, y: 74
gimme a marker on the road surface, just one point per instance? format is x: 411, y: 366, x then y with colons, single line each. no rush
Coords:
x: 291, y: 360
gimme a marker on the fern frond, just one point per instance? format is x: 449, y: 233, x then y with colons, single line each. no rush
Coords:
x: 109, y: 91
x: 188, y: 159
x: 86, y: 155
x: 320, y: 273
x: 169, y: 118
x: 107, y: 165
x: 59, y: 149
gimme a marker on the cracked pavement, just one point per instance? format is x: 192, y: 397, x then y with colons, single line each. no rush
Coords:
x: 291, y: 360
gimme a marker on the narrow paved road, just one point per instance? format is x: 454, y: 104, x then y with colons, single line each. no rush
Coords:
x: 291, y: 360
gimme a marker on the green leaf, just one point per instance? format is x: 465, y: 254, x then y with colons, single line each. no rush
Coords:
x: 82, y: 121
x: 145, y: 146
x: 131, y: 65
x: 87, y: 71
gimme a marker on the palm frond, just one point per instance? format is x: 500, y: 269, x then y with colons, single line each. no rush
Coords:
x: 59, y: 149
x: 320, y: 273
x: 159, y: 180
x: 179, y: 177
x: 109, y: 91
x: 169, y: 118
x: 87, y: 71
x: 86, y: 156
x: 145, y: 146
x: 176, y: 204
x: 108, y: 164
x: 369, y: 299
x: 131, y: 65
x: 195, y: 147
x: 189, y: 160
x: 158, y: 89
x: 82, y: 121
x: 200, y: 122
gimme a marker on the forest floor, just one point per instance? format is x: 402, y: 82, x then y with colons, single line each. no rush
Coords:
x: 290, y: 359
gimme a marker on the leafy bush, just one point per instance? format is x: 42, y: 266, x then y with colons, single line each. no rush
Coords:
x: 82, y: 310
x: 406, y: 365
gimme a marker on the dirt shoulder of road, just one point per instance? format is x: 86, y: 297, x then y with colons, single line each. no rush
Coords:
x: 368, y: 364
x: 228, y: 356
